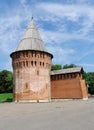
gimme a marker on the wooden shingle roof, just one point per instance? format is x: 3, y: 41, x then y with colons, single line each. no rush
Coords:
x: 31, y: 39
x: 69, y: 70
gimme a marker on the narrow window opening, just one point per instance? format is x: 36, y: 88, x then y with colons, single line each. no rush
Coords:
x: 26, y: 63
x: 23, y: 54
x: 32, y: 53
x: 43, y: 64
x: 35, y: 54
x: 26, y: 86
x: 32, y: 63
x: 37, y: 72
x: 23, y: 63
x: 43, y: 55
x: 26, y: 54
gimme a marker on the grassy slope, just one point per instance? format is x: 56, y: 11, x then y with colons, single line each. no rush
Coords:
x: 6, y: 97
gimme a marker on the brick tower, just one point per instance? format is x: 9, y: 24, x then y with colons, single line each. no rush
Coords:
x: 31, y: 68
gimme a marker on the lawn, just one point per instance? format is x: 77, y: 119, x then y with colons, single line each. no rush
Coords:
x: 6, y: 97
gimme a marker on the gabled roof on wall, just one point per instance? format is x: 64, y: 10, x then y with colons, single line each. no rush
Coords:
x: 69, y: 70
x: 31, y: 39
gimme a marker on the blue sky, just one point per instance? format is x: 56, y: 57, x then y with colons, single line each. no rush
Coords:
x: 66, y: 27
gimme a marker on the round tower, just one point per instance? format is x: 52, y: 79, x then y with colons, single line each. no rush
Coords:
x: 31, y: 68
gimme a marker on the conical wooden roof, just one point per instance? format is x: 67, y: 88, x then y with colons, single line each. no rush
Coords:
x: 31, y: 39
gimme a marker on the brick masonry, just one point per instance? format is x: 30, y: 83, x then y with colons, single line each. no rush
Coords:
x: 31, y: 68
x: 32, y: 80
x: 68, y: 88
x: 31, y: 75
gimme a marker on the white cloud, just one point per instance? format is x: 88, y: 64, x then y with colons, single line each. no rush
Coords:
x: 88, y: 65
x: 58, y: 37
x: 72, y: 11
x: 13, y: 25
x: 11, y: 28
x: 55, y: 12
x: 61, y: 55
x: 85, y: 54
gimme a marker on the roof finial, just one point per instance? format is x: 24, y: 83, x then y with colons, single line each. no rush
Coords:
x: 32, y: 17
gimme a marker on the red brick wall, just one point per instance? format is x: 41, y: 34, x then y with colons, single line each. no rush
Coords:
x: 83, y: 87
x: 67, y: 88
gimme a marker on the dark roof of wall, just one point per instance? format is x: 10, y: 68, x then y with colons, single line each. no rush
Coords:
x: 69, y: 70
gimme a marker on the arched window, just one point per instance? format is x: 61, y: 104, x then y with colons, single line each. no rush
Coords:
x: 26, y: 63
x: 32, y: 63
x: 23, y: 64
x: 26, y: 54
x: 35, y: 63
x: 40, y: 54
x: 32, y: 53
x: 43, y: 55
x: 37, y: 72
x: 35, y: 53
x: 43, y: 64
x: 40, y: 63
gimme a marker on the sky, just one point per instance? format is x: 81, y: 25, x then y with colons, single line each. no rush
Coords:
x: 65, y: 26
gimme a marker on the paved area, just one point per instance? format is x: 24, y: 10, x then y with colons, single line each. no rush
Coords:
x: 66, y: 115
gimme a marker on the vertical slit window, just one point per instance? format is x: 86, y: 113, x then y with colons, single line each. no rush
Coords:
x: 26, y: 54
x: 26, y: 63
x: 37, y: 72
x: 32, y: 63
x: 23, y: 63
x: 43, y: 64
x: 40, y: 63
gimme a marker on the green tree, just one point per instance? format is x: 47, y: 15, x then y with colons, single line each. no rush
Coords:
x: 69, y: 66
x: 89, y: 78
x: 6, y: 81
x: 56, y: 67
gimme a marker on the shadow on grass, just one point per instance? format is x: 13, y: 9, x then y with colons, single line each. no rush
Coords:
x: 7, y: 100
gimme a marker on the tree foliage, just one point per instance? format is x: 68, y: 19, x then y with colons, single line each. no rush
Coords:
x: 56, y: 67
x: 69, y: 66
x: 89, y: 78
x: 6, y: 81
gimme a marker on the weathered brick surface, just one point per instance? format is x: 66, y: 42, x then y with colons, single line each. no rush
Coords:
x: 31, y: 75
x: 32, y: 79
x: 83, y: 87
x: 68, y: 88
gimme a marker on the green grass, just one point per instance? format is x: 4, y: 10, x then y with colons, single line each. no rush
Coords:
x: 6, y: 97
